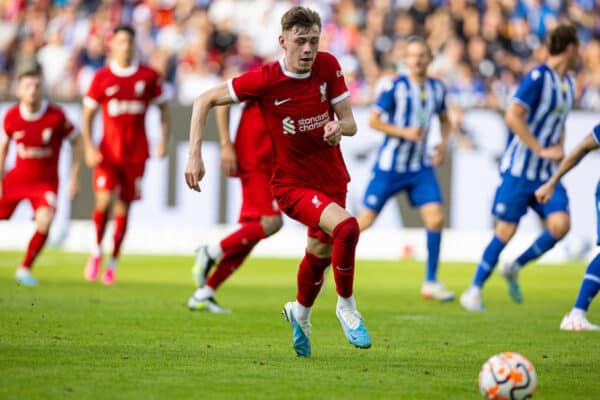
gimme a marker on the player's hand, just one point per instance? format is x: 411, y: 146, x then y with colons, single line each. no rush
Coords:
x: 92, y: 156
x: 414, y: 133
x: 333, y: 133
x: 194, y: 172
x: 228, y: 160
x: 73, y: 188
x: 544, y: 192
x: 440, y: 154
x: 555, y: 152
x: 161, y: 148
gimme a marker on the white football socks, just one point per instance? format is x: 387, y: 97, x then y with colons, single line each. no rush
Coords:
x: 214, y: 251
x: 301, y: 313
x: 204, y: 293
x: 346, y: 302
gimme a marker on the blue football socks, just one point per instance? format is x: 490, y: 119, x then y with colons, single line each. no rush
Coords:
x: 590, y: 285
x: 489, y: 261
x: 542, y: 244
x: 434, y: 240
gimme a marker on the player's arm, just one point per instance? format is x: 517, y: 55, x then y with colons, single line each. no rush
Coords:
x: 516, y: 120
x: 228, y: 156
x: 544, y: 193
x: 442, y: 147
x: 345, y: 125
x: 163, y: 146
x: 217, y: 96
x: 413, y: 133
x: 4, y: 143
x: 77, y: 155
x: 92, y: 155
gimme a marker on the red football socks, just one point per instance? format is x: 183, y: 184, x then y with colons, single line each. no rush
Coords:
x: 99, y: 218
x: 247, y: 236
x: 310, y: 278
x: 119, y: 234
x: 345, y: 238
x: 35, y: 245
x: 229, y: 263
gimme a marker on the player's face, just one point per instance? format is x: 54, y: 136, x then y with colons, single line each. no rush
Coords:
x: 29, y: 90
x: 123, y: 48
x: 417, y: 58
x: 300, y: 46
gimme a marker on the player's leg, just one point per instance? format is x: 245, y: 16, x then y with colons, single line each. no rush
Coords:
x: 424, y: 192
x: 343, y: 229
x: 576, y: 319
x: 309, y: 280
x: 556, y: 215
x: 379, y: 190
x: 121, y: 216
x: 510, y: 204
x: 231, y: 258
x: 103, y: 185
x: 43, y: 219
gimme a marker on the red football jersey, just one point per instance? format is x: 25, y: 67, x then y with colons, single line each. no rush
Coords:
x: 252, y: 142
x: 295, y: 108
x: 38, y: 138
x: 124, y: 95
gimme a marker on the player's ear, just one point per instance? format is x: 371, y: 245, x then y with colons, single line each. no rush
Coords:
x: 281, y: 42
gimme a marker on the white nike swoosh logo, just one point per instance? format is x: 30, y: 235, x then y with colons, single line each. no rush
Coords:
x: 280, y: 102
x: 111, y: 90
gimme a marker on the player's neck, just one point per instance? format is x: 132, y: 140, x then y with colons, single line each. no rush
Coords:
x: 32, y: 108
x: 558, y: 64
x: 417, y: 78
x: 124, y: 63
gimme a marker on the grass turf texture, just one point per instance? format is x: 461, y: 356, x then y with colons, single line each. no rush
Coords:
x: 72, y: 339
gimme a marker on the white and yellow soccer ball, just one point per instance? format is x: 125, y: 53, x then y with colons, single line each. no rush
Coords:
x: 507, y: 376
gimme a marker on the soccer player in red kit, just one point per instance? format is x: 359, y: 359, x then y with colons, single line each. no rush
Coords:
x: 250, y: 159
x: 38, y: 128
x: 298, y: 97
x: 124, y: 89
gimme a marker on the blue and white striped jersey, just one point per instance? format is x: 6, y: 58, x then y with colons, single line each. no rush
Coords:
x: 407, y: 104
x: 548, y: 99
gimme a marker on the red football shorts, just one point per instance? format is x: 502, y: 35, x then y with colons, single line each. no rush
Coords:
x: 257, y: 199
x: 14, y: 190
x: 126, y: 178
x: 306, y: 206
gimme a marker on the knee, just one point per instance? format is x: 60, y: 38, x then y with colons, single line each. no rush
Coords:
x: 271, y: 225
x: 436, y: 222
x: 347, y: 231
x: 43, y: 220
x: 559, y: 229
x: 505, y: 231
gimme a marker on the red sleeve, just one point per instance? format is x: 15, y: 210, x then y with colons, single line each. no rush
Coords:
x: 95, y: 93
x: 68, y: 130
x: 249, y: 85
x: 339, y: 90
x: 6, y: 129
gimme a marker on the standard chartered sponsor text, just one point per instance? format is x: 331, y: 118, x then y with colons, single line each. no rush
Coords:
x: 318, y: 121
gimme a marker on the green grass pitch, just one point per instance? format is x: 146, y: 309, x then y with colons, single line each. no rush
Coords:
x: 70, y: 339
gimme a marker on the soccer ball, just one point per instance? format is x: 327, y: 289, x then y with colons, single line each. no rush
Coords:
x: 507, y: 376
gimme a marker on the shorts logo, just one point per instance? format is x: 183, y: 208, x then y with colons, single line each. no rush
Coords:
x: 372, y: 199
x: 289, y: 127
x: 323, y: 90
x: 500, y: 208
x: 316, y: 202
x: 101, y: 181
x: 50, y: 198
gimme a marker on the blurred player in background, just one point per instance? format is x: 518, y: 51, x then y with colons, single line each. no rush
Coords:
x: 403, y: 163
x: 124, y: 89
x: 299, y: 97
x: 576, y: 320
x: 38, y: 128
x: 536, y: 118
x: 250, y: 159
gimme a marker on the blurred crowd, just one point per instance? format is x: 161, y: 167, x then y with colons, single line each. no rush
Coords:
x: 481, y: 48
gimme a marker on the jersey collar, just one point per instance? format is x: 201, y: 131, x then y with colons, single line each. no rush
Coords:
x: 27, y: 116
x: 292, y: 74
x: 123, y: 72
